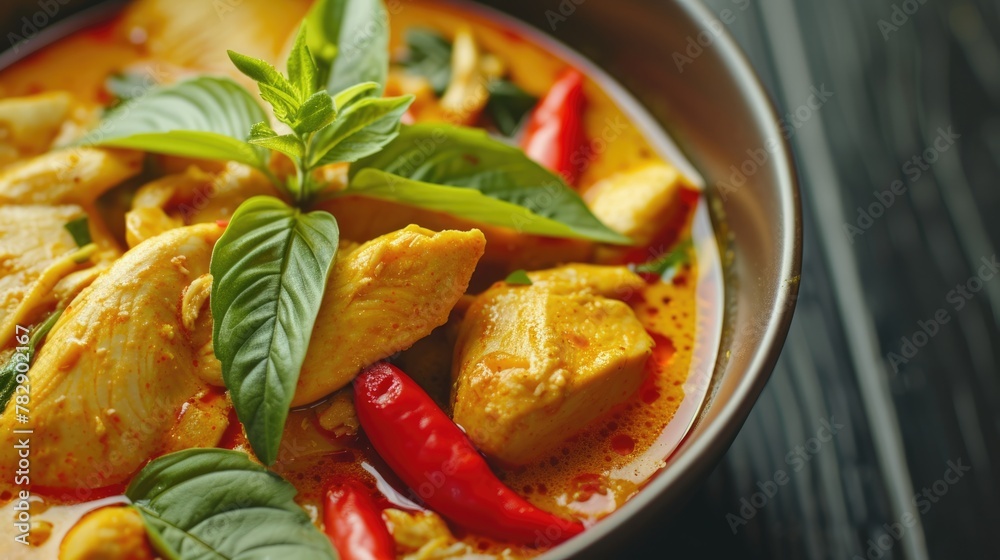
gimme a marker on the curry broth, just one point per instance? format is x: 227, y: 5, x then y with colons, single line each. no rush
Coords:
x: 588, y: 476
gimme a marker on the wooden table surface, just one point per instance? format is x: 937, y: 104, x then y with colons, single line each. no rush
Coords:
x: 895, y: 337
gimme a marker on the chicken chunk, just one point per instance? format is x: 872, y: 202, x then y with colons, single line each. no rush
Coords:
x: 113, y: 376
x: 196, y: 196
x: 338, y: 415
x: 110, y: 533
x: 69, y: 176
x: 362, y: 218
x: 615, y: 282
x: 145, y: 223
x: 224, y: 193
x: 381, y: 298
x: 192, y: 196
x: 176, y: 31
x: 34, y: 246
x: 31, y: 239
x: 423, y: 535
x: 536, y: 364
x: 28, y: 125
x: 639, y: 202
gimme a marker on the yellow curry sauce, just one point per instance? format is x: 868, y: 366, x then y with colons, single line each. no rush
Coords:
x: 586, y: 477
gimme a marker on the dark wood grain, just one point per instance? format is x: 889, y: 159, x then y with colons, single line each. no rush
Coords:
x: 895, y: 89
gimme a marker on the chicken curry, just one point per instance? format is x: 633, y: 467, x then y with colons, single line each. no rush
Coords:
x: 335, y: 279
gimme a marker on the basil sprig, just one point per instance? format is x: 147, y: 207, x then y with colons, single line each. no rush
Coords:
x: 324, y: 129
x: 210, y: 504
x: 365, y: 125
x: 270, y: 267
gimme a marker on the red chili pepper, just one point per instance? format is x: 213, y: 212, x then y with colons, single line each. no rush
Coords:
x: 554, y: 136
x: 434, y: 458
x: 354, y: 523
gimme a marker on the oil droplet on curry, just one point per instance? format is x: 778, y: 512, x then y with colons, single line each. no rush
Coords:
x: 576, y: 384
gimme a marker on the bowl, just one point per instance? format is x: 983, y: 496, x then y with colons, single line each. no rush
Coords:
x: 679, y: 63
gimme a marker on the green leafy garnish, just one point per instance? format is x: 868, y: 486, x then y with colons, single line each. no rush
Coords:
x: 464, y: 172
x: 325, y: 129
x: 269, y: 269
x: 19, y: 361
x: 204, y: 117
x: 364, y: 126
x: 518, y: 278
x: 508, y: 105
x: 294, y: 99
x: 210, y: 504
x: 428, y: 55
x: 80, y: 230
x: 125, y: 86
x: 271, y: 265
x: 350, y: 42
x: 661, y: 266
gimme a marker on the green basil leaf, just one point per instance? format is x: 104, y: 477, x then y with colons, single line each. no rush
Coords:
x: 9, y: 371
x: 261, y: 130
x: 429, y: 55
x: 80, y: 230
x: 665, y: 264
x: 289, y: 144
x: 355, y: 93
x: 275, y: 89
x: 350, y: 40
x: 217, y: 504
x: 204, y: 117
x: 270, y: 269
x: 490, y: 182
x: 124, y: 86
x: 466, y: 203
x: 301, y: 66
x: 262, y: 72
x: 360, y: 130
x: 315, y: 113
x: 282, y: 104
x: 518, y: 278
x: 508, y: 105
